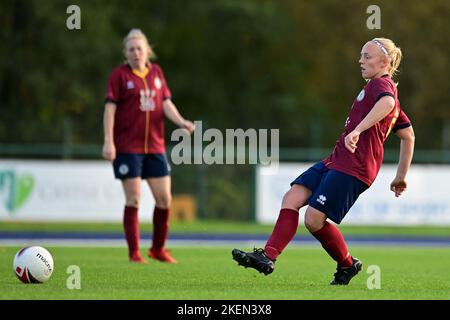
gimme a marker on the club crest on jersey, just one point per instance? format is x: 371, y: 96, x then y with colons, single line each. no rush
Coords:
x: 130, y: 85
x: 361, y: 95
x: 158, y: 83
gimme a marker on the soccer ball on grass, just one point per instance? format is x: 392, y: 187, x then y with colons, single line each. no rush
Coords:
x: 33, y: 265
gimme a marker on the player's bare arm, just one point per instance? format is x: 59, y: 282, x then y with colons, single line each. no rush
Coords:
x: 381, y: 109
x: 172, y: 113
x: 399, y: 184
x: 109, y: 150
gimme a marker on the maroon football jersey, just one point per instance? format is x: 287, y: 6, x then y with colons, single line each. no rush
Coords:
x: 365, y: 163
x: 139, y: 118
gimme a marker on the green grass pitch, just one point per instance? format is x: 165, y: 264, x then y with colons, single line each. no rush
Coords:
x: 302, y: 272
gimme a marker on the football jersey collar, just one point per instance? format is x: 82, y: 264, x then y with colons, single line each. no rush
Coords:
x: 140, y: 74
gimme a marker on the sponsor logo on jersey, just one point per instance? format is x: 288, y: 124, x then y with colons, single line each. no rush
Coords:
x: 147, y: 100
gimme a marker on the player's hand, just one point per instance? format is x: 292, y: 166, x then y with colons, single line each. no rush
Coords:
x: 351, y: 140
x: 398, y: 186
x: 109, y: 151
x: 189, y: 126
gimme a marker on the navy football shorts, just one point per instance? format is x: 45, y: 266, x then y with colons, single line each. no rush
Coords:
x: 130, y: 165
x: 333, y: 192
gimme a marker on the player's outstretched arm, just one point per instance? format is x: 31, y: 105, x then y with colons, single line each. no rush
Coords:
x: 380, y: 110
x: 171, y: 112
x: 406, y: 135
x: 109, y: 150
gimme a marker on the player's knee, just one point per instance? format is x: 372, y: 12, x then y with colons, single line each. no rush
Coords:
x: 133, y: 202
x: 309, y: 224
x: 163, y: 201
x: 133, y: 199
x: 313, y: 223
x: 296, y: 197
x: 290, y: 201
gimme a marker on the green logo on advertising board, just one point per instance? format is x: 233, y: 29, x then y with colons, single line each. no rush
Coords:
x: 16, y: 189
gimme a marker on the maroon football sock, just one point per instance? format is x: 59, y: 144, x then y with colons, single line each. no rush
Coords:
x: 333, y: 242
x: 131, y: 227
x: 160, y: 227
x: 283, y: 232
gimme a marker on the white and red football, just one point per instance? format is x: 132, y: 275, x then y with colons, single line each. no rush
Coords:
x: 33, y: 265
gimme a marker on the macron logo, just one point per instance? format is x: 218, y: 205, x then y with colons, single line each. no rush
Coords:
x: 321, y: 199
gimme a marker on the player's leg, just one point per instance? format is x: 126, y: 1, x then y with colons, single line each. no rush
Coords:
x: 132, y: 190
x: 283, y: 232
x: 161, y: 191
x: 287, y: 223
x: 159, y: 181
x: 127, y: 168
x: 334, y: 244
x: 332, y: 199
x: 160, y: 188
x: 328, y: 235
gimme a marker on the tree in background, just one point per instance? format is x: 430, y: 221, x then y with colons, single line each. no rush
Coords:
x: 288, y: 64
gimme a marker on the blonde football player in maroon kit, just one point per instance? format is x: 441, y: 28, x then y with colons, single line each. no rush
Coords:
x: 138, y: 100
x: 330, y: 187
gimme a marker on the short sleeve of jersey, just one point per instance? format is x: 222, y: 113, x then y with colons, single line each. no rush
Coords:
x: 114, y: 85
x: 402, y: 122
x: 382, y: 87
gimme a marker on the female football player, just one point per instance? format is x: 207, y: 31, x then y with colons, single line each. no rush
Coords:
x: 331, y: 187
x: 137, y: 101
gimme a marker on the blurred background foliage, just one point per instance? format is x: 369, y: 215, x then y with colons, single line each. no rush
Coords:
x: 290, y: 64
